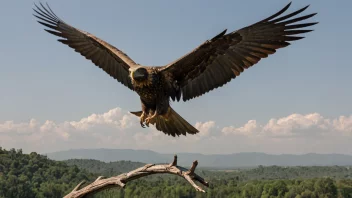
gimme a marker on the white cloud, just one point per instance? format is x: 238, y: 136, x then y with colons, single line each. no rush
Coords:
x: 114, y: 118
x: 294, y: 125
x: 204, y: 128
x: 343, y: 124
x: 248, y: 129
x: 94, y: 130
x: 117, y: 128
x: 20, y: 128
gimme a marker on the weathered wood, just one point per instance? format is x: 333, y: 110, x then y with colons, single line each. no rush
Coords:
x: 148, y: 169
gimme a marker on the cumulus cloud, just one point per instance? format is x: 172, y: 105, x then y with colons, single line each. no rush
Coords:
x: 205, y: 128
x: 114, y: 118
x: 96, y: 129
x: 248, y: 129
x: 343, y: 124
x: 20, y: 128
x: 117, y: 128
x: 294, y: 125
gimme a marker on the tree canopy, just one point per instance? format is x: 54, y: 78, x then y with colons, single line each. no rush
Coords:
x: 34, y: 175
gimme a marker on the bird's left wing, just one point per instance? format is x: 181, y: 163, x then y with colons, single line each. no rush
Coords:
x: 112, y: 60
x: 221, y: 59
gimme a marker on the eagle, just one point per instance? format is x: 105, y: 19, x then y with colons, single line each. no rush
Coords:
x: 209, y: 66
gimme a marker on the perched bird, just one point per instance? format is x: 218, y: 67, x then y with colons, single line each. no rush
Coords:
x: 209, y: 66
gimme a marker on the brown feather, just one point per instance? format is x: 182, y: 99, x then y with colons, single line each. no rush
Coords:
x: 225, y: 56
x: 173, y: 125
x: 107, y: 57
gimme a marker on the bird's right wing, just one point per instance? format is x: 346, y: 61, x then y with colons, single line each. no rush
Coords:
x: 113, y: 61
x: 224, y: 57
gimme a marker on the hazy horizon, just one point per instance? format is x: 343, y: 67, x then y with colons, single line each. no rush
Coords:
x: 161, y: 152
x: 245, y: 159
x: 293, y: 102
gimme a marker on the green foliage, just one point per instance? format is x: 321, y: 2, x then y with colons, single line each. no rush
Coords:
x: 33, y: 175
x: 175, y: 187
x: 102, y: 168
x: 258, y: 173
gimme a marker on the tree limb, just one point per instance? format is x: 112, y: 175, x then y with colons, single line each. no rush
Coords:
x: 148, y: 169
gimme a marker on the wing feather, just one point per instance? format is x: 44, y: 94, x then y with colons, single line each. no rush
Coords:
x: 107, y: 57
x: 220, y: 59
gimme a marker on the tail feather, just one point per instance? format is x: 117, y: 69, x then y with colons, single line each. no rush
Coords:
x: 137, y: 113
x: 174, y: 125
x: 182, y: 124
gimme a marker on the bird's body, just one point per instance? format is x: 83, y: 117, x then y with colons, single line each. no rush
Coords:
x: 153, y: 92
x: 155, y: 89
x: 209, y: 66
x: 151, y: 88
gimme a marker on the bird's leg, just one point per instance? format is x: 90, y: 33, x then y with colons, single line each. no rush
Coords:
x: 148, y: 119
x: 142, y: 119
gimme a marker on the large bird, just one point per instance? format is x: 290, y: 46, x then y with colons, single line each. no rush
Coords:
x: 209, y: 66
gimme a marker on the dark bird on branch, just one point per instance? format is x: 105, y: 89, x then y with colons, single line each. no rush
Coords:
x: 211, y: 65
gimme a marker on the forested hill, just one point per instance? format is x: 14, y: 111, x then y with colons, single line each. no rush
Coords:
x: 214, y: 161
x: 33, y: 175
x: 258, y: 173
x: 102, y: 168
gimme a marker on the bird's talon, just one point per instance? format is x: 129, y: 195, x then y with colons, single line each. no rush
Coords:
x: 147, y: 121
x: 142, y: 119
x: 142, y: 125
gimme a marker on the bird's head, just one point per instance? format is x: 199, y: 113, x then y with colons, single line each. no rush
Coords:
x: 140, y: 74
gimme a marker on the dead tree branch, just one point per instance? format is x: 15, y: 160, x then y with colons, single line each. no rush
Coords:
x: 149, y: 169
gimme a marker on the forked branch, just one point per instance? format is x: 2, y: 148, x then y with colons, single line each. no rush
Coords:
x: 148, y: 169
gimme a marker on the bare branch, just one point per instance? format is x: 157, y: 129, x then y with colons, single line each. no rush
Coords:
x: 99, y: 178
x: 193, y: 168
x: 148, y: 169
x: 174, y: 163
x: 79, y: 185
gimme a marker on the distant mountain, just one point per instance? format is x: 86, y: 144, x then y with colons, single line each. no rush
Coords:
x: 104, y: 168
x: 111, y: 155
x: 213, y: 161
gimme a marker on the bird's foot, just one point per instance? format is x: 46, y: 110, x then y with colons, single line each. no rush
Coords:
x: 148, y: 119
x: 142, y: 119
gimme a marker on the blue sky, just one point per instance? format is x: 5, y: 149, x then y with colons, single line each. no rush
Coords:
x: 43, y: 79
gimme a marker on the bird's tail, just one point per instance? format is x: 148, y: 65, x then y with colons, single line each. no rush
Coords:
x: 171, y: 124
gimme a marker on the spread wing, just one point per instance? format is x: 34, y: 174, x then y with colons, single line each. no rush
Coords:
x: 102, y: 54
x: 221, y: 59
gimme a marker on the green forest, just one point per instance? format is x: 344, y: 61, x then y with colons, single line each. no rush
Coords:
x: 34, y: 175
